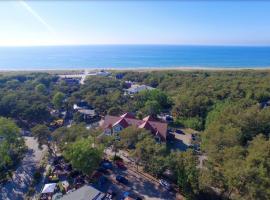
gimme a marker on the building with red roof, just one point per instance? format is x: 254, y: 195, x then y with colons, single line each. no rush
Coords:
x: 114, y: 124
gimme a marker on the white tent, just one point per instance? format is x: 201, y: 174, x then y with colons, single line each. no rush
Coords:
x: 49, y: 188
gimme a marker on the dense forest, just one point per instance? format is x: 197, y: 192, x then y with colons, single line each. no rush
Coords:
x: 229, y: 108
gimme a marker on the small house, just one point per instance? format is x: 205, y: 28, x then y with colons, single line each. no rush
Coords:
x: 87, y: 192
x: 135, y: 88
x: 86, y: 111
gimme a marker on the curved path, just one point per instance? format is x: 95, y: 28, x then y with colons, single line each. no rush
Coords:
x: 16, y: 189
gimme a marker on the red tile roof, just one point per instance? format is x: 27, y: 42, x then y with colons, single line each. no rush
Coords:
x: 148, y: 123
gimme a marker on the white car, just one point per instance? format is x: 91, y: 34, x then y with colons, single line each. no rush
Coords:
x: 164, y: 184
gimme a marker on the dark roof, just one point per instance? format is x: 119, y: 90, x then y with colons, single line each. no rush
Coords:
x: 149, y: 118
x: 128, y: 115
x: 146, y: 125
x: 122, y: 122
x: 84, y: 104
x: 86, y: 192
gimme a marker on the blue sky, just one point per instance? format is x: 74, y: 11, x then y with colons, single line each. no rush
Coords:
x: 134, y: 22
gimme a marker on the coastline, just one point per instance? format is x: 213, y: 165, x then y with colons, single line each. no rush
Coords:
x: 138, y: 69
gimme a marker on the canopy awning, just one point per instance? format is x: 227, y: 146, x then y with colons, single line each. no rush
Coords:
x: 49, y: 188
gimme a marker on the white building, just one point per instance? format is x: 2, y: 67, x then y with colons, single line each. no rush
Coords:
x: 137, y: 88
x: 81, y: 77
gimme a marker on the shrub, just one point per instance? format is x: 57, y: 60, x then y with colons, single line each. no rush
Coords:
x: 192, y: 122
x: 117, y: 158
x: 30, y: 191
x: 37, y: 177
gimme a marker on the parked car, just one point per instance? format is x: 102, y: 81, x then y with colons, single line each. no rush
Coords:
x: 122, y: 179
x: 178, y: 131
x: 170, y: 130
x: 107, y: 165
x: 103, y: 170
x: 120, y: 165
x: 102, y: 180
x: 111, y: 191
x: 165, y: 184
x: 169, y: 118
x: 125, y: 195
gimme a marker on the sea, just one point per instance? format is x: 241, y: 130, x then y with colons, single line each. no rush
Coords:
x: 132, y: 57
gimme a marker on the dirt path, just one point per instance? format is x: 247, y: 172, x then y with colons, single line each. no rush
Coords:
x: 22, y: 177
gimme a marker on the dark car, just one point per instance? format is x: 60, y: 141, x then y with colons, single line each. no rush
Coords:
x: 111, y: 191
x: 179, y: 131
x: 120, y: 165
x: 122, y: 179
x: 107, y: 165
x: 169, y: 118
x: 124, y: 195
x: 103, y: 170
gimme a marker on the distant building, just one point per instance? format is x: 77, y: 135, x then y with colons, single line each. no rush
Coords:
x: 119, y: 76
x: 82, y: 105
x: 127, y: 84
x: 115, y: 124
x: 86, y: 110
x: 79, y: 78
x: 135, y: 88
x: 99, y: 73
x: 71, y: 80
x: 86, y: 192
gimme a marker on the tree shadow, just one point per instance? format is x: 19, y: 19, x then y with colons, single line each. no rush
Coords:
x: 177, y: 145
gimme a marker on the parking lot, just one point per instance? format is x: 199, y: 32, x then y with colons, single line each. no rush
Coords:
x: 184, y: 139
x: 138, y: 186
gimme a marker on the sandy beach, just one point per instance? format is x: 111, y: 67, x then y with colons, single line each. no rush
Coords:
x: 139, y: 69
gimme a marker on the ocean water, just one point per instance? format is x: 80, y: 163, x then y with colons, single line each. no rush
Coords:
x: 132, y: 56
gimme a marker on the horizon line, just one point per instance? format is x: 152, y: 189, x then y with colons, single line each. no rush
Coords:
x: 140, y: 44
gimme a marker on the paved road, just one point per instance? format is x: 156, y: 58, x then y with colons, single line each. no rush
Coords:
x: 22, y: 177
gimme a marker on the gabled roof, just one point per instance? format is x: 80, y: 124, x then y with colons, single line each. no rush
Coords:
x: 134, y: 122
x: 86, y: 192
x: 122, y: 122
x: 149, y: 118
x: 128, y: 115
x: 109, y: 126
x: 161, y: 127
x: 146, y: 125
